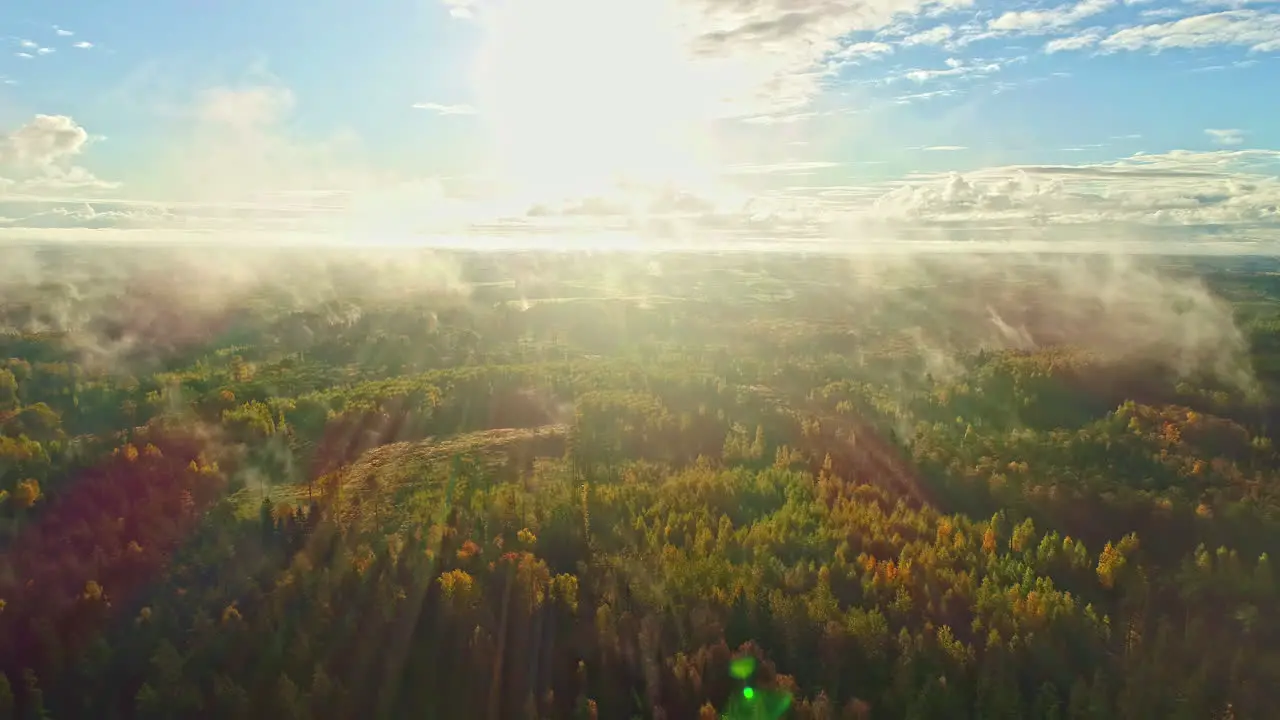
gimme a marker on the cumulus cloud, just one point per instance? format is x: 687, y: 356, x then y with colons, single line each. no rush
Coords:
x: 40, y: 154
x: 1226, y: 200
x: 83, y: 45
x: 1205, y: 192
x: 1228, y: 136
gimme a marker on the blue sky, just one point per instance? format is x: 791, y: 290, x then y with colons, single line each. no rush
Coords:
x: 1143, y: 122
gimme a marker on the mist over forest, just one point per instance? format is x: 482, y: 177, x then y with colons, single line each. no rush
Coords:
x: 404, y: 482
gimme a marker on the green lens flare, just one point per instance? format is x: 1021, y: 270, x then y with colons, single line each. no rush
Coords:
x: 742, y: 667
x: 748, y: 693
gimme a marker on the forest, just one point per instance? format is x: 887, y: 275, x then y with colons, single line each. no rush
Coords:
x: 409, y: 484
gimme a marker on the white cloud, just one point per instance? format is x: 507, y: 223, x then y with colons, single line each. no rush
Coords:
x: 1256, y: 30
x: 29, y: 44
x: 461, y: 9
x: 955, y: 68
x: 933, y: 36
x: 235, y: 145
x: 782, y: 119
x: 857, y: 50
x: 46, y: 51
x: 1040, y: 21
x: 62, y: 32
x: 1163, y: 13
x: 1204, y: 192
x: 1229, y: 136
x: 39, y: 156
x: 787, y: 167
x: 1228, y: 3
x: 83, y: 45
x: 1085, y: 39
x: 440, y: 109
x: 1179, y: 200
x: 24, y: 56
x: 944, y: 148
x: 933, y: 94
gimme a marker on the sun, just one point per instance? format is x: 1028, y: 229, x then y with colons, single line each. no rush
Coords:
x: 581, y: 97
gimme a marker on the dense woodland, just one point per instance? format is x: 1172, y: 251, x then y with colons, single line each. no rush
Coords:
x: 611, y: 487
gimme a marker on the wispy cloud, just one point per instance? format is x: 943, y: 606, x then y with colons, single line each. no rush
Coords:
x: 858, y: 50
x: 931, y: 95
x: 1039, y: 21
x: 441, y: 109
x: 1258, y: 31
x: 46, y: 51
x: 955, y: 68
x: 933, y: 36
x: 787, y: 167
x: 83, y: 45
x: 1226, y: 136
x: 944, y: 148
x: 62, y: 32
x: 1088, y: 38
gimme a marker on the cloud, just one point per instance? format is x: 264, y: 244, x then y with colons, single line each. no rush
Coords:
x: 1040, y: 21
x: 787, y: 167
x: 1208, y: 193
x: 24, y: 56
x: 1221, y: 201
x: 944, y: 148
x: 62, y: 32
x: 931, y: 95
x: 235, y: 144
x: 726, y: 58
x: 86, y: 216
x: 40, y: 154
x: 1085, y: 39
x: 1231, y: 136
x: 955, y: 68
x: 83, y: 45
x: 440, y: 109
x: 29, y: 44
x: 857, y: 50
x: 1258, y: 31
x: 46, y: 51
x: 461, y: 9
x: 933, y: 36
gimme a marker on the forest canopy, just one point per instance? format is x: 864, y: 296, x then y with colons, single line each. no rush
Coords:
x: 537, y: 485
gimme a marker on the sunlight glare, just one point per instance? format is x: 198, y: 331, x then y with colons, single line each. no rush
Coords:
x: 582, y: 96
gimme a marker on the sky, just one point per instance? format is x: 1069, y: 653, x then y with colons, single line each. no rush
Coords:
x: 842, y: 124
